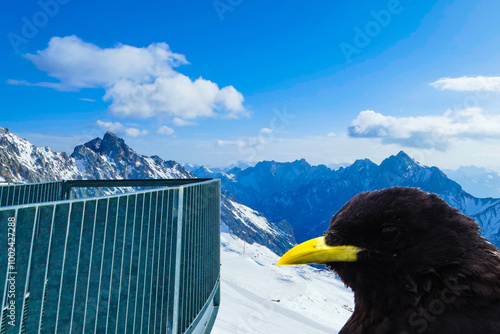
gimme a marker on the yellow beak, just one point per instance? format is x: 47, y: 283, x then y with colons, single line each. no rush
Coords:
x: 318, y: 252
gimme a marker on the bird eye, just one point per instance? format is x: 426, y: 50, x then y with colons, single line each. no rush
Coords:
x: 389, y: 233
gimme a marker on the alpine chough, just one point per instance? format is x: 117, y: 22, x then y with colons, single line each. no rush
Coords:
x: 414, y: 263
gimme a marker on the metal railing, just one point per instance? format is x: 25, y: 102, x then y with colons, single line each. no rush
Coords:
x: 142, y: 262
x: 30, y: 193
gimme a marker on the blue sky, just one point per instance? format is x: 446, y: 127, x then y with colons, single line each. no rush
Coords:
x: 214, y: 82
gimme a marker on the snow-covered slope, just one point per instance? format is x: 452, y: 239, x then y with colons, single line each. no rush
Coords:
x: 258, y: 297
x: 251, y: 226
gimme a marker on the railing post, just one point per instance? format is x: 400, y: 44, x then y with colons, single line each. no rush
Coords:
x: 177, y: 283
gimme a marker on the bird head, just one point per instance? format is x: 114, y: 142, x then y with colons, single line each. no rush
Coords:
x: 383, y: 235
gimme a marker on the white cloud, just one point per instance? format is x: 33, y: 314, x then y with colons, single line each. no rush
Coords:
x: 232, y: 100
x: 250, y: 148
x: 181, y: 122
x: 55, y: 85
x: 468, y: 84
x: 165, y: 130
x: 84, y: 65
x: 238, y: 142
x: 119, y: 128
x: 139, y: 82
x: 434, y: 132
x: 331, y: 134
x: 266, y: 130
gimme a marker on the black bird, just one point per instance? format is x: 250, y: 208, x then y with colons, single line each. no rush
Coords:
x: 414, y: 263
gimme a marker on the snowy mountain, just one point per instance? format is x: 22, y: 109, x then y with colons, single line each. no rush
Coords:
x: 307, y: 196
x: 106, y: 158
x: 479, y: 182
x: 110, y: 158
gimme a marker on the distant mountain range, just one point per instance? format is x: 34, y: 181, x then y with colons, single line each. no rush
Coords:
x: 307, y: 196
x: 479, y: 182
x: 239, y: 164
x: 111, y: 159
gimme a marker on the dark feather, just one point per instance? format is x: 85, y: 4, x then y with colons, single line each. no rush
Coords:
x: 425, y: 267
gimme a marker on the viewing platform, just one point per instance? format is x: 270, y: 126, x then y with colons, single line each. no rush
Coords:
x: 142, y: 261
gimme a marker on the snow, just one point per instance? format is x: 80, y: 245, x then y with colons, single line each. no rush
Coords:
x: 80, y: 166
x: 310, y: 300
x: 246, y: 215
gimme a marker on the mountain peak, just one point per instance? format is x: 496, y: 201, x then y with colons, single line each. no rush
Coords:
x: 402, y: 155
x: 94, y: 144
x: 111, y: 158
x: 301, y: 160
x: 400, y: 159
x: 362, y: 163
x: 110, y: 134
x: 111, y: 143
